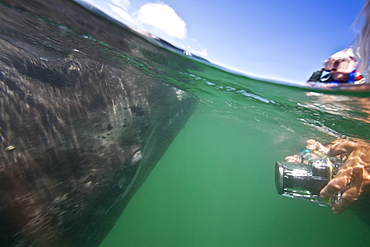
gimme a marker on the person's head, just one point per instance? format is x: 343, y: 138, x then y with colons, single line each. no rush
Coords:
x: 341, y: 64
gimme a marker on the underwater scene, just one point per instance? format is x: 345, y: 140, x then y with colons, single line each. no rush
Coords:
x: 215, y: 183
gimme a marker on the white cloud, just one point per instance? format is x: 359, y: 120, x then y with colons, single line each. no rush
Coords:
x: 156, y: 18
x: 163, y: 17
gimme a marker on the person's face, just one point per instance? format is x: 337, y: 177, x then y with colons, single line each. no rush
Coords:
x: 339, y: 65
x: 338, y: 76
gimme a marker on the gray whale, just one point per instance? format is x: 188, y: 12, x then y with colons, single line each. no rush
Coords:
x: 81, y: 124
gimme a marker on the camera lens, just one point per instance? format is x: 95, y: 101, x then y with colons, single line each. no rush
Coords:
x: 279, y: 177
x: 299, y: 176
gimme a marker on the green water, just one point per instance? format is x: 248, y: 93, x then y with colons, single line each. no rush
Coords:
x: 215, y: 185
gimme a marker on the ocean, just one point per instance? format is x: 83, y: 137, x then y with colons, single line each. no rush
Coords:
x: 215, y: 185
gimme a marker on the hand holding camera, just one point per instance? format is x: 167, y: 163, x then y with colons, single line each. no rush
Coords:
x: 334, y: 175
x: 353, y: 178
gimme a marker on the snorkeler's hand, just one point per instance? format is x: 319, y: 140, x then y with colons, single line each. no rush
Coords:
x: 315, y: 145
x: 353, y: 178
x: 348, y: 183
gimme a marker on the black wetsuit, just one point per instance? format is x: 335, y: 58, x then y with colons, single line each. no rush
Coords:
x: 317, y: 77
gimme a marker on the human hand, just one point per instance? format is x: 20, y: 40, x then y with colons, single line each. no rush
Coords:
x: 348, y: 183
x: 353, y: 178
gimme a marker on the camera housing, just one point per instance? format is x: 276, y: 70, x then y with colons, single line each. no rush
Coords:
x: 305, y: 179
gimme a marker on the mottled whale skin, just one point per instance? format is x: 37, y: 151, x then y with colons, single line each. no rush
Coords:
x: 81, y: 127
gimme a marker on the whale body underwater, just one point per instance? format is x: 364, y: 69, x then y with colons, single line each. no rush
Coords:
x: 81, y: 127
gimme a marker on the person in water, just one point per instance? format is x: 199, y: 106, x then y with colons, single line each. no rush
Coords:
x: 340, y: 68
x: 353, y: 179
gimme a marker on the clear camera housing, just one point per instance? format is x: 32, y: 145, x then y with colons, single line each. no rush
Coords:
x: 305, y: 179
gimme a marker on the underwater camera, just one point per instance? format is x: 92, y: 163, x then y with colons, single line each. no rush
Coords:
x: 306, y: 178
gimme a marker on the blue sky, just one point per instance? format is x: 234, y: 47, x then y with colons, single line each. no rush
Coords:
x: 284, y: 40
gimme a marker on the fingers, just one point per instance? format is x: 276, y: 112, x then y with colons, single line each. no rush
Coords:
x: 311, y: 144
x: 348, y: 182
x: 335, y: 186
x: 346, y: 199
x: 315, y: 145
x: 294, y: 158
